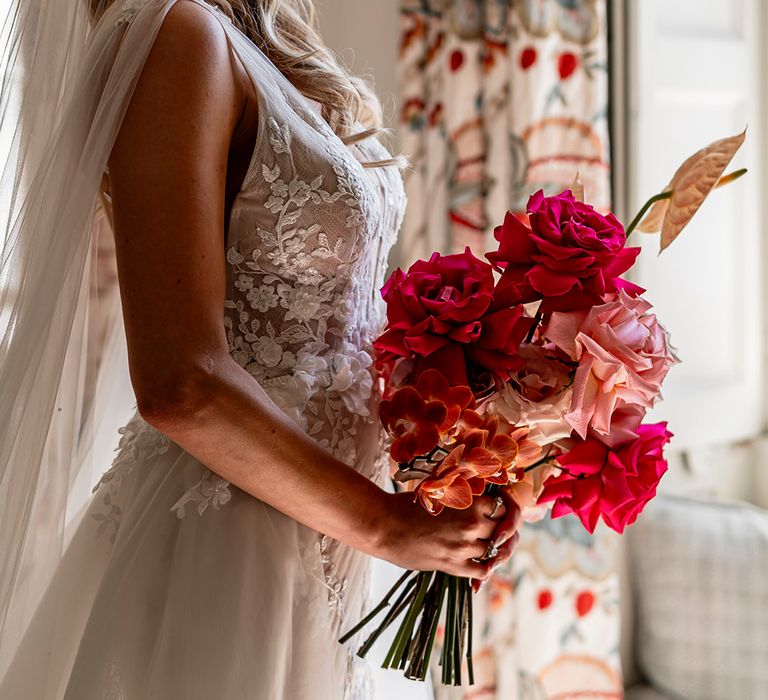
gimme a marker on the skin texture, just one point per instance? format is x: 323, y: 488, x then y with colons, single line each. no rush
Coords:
x: 173, y: 171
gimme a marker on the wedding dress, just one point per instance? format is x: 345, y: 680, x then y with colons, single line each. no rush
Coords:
x: 176, y: 584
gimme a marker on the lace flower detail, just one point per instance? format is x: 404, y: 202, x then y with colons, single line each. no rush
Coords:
x: 130, y: 8
x: 352, y: 380
x: 210, y: 491
x: 139, y: 442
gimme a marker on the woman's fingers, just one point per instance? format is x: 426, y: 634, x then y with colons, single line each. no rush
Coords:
x: 506, y: 551
x: 498, y: 508
x: 489, y: 507
x: 477, y: 570
x: 511, y: 521
x: 480, y: 525
x: 478, y: 549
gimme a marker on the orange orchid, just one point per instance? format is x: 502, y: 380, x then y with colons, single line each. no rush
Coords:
x: 508, y: 442
x: 413, y: 423
x: 417, y: 416
x: 433, y: 386
x: 461, y: 476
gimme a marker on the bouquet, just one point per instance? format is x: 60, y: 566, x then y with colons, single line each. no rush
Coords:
x: 530, y: 371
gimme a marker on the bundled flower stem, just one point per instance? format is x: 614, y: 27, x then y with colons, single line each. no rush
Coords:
x: 422, y: 597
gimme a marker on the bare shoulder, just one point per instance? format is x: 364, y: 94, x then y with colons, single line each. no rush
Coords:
x: 188, y: 93
x: 191, y: 32
x: 190, y: 66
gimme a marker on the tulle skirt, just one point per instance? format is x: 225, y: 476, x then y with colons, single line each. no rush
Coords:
x: 214, y: 595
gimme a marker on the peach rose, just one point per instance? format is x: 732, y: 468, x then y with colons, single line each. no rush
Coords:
x: 526, y: 492
x: 539, y: 395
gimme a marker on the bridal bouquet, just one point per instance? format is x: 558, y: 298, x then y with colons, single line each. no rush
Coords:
x: 530, y: 371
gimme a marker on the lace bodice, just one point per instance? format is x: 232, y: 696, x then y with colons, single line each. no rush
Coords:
x: 307, y: 251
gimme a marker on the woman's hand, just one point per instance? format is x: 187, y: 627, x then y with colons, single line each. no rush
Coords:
x: 453, y: 541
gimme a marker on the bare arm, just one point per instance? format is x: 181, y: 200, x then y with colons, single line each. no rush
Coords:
x: 168, y: 179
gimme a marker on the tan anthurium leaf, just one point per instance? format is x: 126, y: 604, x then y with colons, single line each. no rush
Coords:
x: 577, y: 188
x: 690, y: 186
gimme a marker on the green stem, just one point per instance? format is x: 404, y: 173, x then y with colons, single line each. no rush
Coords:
x: 404, y: 633
x: 447, y: 656
x: 636, y: 221
x: 547, y: 459
x: 402, y: 602
x: 458, y: 643
x: 415, y: 652
x: 383, y: 604
x: 536, y: 321
x: 433, y: 631
x: 470, y: 667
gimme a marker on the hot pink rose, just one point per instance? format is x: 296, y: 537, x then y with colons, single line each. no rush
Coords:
x: 623, y: 355
x: 612, y: 483
x: 440, y: 313
x: 570, y: 257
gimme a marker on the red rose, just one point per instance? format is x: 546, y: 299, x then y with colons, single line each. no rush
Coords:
x: 570, y: 257
x: 612, y: 483
x: 441, y: 314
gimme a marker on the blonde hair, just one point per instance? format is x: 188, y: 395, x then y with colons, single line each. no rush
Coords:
x: 286, y: 32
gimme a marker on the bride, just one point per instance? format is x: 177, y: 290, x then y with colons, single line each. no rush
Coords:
x: 253, y: 209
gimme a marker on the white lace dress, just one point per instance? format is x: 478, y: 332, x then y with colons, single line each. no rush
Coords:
x: 179, y: 586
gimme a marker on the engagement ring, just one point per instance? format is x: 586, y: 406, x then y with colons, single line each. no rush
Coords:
x: 491, y: 551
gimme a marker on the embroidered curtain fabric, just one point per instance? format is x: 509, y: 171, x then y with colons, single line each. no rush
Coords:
x: 498, y: 99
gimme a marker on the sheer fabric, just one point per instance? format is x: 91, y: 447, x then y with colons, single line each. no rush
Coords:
x: 175, y: 583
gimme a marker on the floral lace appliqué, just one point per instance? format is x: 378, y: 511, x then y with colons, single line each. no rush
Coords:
x: 297, y: 315
x: 139, y: 442
x: 210, y: 491
x: 130, y: 8
x: 336, y: 587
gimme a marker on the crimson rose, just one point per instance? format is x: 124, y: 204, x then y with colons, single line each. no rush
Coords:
x: 615, y: 483
x: 570, y: 257
x: 442, y: 314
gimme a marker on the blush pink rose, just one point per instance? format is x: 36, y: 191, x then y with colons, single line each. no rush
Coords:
x: 623, y: 355
x: 569, y: 257
x: 614, y: 484
x: 539, y: 394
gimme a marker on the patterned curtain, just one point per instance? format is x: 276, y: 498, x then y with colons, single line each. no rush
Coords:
x: 498, y: 99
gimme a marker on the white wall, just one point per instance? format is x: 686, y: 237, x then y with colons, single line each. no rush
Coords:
x: 695, y: 72
x: 365, y: 34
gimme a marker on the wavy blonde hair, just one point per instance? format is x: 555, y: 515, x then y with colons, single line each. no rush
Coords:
x: 286, y: 32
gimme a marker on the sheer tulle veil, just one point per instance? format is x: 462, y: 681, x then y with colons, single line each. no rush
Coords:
x: 65, y: 90
x: 67, y: 84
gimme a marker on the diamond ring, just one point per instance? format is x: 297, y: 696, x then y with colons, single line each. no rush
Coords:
x: 496, y: 505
